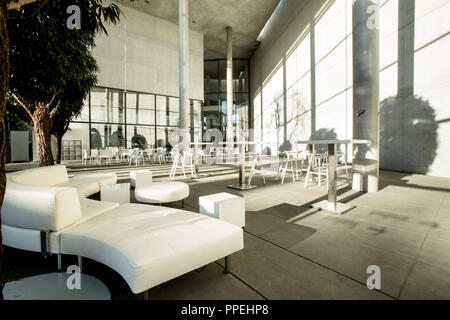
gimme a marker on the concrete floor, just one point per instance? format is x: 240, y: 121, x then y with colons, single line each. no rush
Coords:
x: 295, y: 252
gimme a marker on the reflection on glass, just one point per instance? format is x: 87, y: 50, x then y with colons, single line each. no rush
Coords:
x: 140, y: 108
x: 107, y: 135
x: 140, y: 137
x: 215, y: 105
x: 149, y: 119
x: 161, y: 111
x: 174, y: 114
x: 79, y: 131
x: 84, y: 114
x: 107, y: 105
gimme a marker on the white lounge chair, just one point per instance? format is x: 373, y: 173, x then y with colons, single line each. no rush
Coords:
x: 147, y: 245
x: 147, y: 191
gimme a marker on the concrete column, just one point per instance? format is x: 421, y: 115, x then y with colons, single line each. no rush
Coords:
x: 366, y: 103
x: 229, y: 86
x: 183, y: 17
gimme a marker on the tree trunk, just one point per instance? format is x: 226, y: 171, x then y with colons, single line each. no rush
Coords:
x: 42, y: 126
x: 4, y: 75
x: 58, y: 148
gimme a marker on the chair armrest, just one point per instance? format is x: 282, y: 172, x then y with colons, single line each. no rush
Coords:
x: 40, y: 208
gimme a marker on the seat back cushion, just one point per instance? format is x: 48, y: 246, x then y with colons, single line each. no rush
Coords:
x: 42, y: 176
x: 40, y: 208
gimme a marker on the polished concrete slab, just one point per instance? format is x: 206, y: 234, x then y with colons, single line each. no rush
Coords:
x: 293, y: 251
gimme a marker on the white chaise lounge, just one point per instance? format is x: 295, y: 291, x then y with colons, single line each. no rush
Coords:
x: 147, y: 245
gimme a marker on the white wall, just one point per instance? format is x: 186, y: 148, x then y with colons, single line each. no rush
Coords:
x: 302, y: 72
x: 141, y: 53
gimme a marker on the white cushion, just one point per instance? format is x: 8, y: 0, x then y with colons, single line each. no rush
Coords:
x: 20, y: 238
x: 89, y: 184
x: 40, y: 208
x: 224, y: 206
x: 100, y: 178
x: 42, y: 176
x: 90, y: 209
x: 119, y: 192
x: 85, y: 188
x: 162, y: 192
x: 148, y: 245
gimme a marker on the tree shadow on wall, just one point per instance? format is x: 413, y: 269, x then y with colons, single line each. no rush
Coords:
x: 408, y: 134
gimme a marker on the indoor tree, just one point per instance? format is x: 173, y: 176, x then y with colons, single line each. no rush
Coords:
x: 46, y: 57
x: 5, y: 6
x: 13, y: 13
x: 72, y: 102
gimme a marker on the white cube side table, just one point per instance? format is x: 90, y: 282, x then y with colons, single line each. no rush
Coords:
x: 224, y: 206
x: 119, y: 192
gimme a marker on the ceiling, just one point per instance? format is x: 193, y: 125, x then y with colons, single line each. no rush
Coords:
x: 211, y: 17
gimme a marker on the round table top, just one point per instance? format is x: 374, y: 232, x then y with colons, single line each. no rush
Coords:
x: 55, y: 286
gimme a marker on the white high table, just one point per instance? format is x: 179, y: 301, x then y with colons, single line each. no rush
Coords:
x: 331, y: 204
x: 242, y: 185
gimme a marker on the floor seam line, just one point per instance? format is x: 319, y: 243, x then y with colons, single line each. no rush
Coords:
x: 320, y: 265
x: 245, y: 283
x: 416, y: 259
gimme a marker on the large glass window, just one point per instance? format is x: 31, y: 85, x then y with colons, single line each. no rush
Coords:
x: 107, y: 135
x: 84, y: 114
x: 161, y: 111
x: 174, y: 112
x: 115, y: 118
x: 107, y: 105
x: 79, y: 131
x: 140, y: 108
x: 215, y: 102
x: 140, y: 137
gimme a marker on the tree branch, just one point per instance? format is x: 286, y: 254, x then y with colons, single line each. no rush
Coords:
x: 22, y: 104
x: 52, y: 113
x: 17, y: 4
x: 31, y: 15
x: 53, y: 98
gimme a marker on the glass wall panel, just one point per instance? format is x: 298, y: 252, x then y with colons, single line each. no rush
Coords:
x: 142, y: 137
x: 164, y: 137
x: 273, y: 113
x: 84, y: 115
x: 107, y: 135
x: 79, y: 131
x: 107, y: 105
x: 215, y: 103
x: 211, y: 71
x: 150, y: 120
x: 161, y: 111
x: 240, y: 76
x: 174, y: 113
x: 140, y: 108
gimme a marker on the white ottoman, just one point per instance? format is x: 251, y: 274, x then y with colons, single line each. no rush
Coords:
x: 224, y: 206
x: 147, y: 191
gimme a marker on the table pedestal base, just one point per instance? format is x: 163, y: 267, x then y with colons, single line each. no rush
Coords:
x: 341, y: 208
x: 241, y: 187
